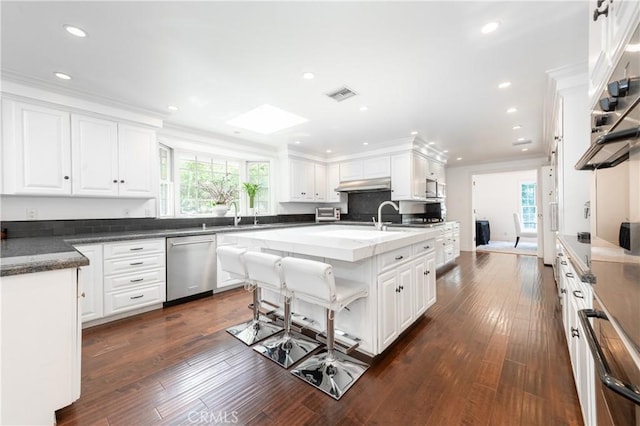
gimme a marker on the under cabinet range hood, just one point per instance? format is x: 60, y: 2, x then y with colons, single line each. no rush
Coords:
x: 378, y: 184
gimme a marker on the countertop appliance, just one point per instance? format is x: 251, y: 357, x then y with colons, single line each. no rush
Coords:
x: 435, y: 190
x: 191, y: 268
x: 327, y: 214
x: 613, y: 326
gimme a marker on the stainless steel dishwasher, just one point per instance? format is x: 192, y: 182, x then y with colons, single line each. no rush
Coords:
x: 191, y: 268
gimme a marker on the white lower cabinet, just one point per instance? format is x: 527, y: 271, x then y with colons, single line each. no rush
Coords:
x: 448, y: 243
x: 406, y: 290
x: 40, y: 345
x: 121, y: 277
x: 134, y: 275
x: 575, y: 296
x: 90, y: 282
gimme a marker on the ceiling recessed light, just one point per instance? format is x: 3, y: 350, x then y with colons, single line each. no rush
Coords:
x: 266, y: 119
x: 459, y: 158
x: 432, y: 143
x: 364, y: 108
x: 511, y: 110
x: 78, y: 32
x: 445, y: 151
x: 414, y: 133
x: 490, y: 27
x: 365, y: 143
x: 308, y: 75
x: 328, y: 151
x: 504, y: 85
x: 633, y: 47
x: 525, y: 149
x: 520, y: 139
x: 297, y: 142
x: 516, y: 127
x: 62, y: 76
x: 172, y: 108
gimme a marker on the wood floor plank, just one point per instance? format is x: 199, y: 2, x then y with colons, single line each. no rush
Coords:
x: 490, y: 351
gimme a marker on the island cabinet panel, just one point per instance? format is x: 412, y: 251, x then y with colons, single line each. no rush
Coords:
x: 90, y: 282
x: 40, y: 345
x: 392, y: 265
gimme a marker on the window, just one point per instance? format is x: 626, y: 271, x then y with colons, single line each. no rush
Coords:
x: 195, y: 170
x: 528, y: 209
x: 258, y: 172
x: 165, y: 198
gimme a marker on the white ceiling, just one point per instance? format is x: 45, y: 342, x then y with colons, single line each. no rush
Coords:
x: 417, y: 66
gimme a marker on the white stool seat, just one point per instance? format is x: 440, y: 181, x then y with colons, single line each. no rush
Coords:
x: 232, y: 261
x: 314, y: 282
x: 263, y: 269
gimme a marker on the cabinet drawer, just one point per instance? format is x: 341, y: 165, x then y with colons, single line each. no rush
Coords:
x: 124, y: 301
x: 138, y: 279
x: 394, y: 257
x: 448, y: 227
x: 133, y: 264
x: 424, y: 247
x: 134, y: 248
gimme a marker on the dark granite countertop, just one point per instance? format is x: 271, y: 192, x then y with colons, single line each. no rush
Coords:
x: 28, y: 255
x: 579, y: 255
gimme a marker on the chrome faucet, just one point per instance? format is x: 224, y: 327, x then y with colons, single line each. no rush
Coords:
x: 236, y: 217
x: 379, y: 225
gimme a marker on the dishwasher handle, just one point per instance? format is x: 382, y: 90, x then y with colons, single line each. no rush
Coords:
x: 192, y: 242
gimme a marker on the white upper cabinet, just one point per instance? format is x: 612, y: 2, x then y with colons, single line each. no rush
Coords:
x: 333, y: 180
x: 35, y: 150
x: 368, y: 168
x: 94, y: 143
x: 611, y: 25
x: 137, y: 161
x: 408, y: 176
x: 46, y: 151
x: 308, y: 181
x: 435, y: 171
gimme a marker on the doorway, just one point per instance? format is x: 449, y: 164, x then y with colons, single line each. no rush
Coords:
x: 496, y: 198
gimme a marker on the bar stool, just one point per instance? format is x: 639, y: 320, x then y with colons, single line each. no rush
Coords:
x: 264, y: 270
x: 231, y: 261
x: 312, y: 281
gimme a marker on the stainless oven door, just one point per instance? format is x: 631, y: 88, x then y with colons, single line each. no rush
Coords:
x: 617, y: 374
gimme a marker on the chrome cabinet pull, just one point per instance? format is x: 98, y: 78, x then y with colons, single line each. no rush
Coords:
x: 578, y: 294
x: 627, y: 390
x: 569, y: 275
x: 399, y: 257
x: 575, y: 332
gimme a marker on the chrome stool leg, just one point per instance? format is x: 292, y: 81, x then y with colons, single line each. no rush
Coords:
x: 258, y: 328
x: 287, y: 349
x: 331, y: 372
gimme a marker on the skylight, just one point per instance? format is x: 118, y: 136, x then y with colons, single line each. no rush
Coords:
x: 266, y: 119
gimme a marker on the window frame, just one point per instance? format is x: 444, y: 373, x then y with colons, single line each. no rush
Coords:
x: 169, y: 182
x: 522, y: 205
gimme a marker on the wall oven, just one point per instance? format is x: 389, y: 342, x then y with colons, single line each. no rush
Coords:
x: 612, y: 327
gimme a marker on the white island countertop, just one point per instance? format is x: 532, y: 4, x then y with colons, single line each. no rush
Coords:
x: 340, y: 242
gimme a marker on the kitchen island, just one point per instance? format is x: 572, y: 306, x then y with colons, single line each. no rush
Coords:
x: 397, y: 265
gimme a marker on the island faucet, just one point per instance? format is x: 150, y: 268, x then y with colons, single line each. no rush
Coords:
x: 236, y: 217
x: 379, y: 225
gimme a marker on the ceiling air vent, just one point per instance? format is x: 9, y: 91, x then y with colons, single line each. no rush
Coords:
x: 341, y: 94
x: 518, y: 143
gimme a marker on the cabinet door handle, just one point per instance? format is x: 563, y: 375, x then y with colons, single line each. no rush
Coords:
x: 122, y: 181
x: 115, y: 181
x: 401, y: 288
x: 137, y: 297
x: 427, y: 247
x: 66, y: 178
x: 427, y: 272
x: 563, y: 262
x: 137, y: 280
x: 578, y: 294
x: 397, y: 290
x: 563, y: 290
x: 136, y: 263
x: 399, y: 257
x: 597, y: 13
x: 569, y: 275
x: 575, y: 332
x: 83, y: 295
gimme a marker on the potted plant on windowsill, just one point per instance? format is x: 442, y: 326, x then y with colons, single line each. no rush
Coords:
x: 251, y: 190
x: 222, y: 192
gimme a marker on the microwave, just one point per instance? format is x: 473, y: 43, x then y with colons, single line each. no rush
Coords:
x: 327, y: 214
x: 435, y: 189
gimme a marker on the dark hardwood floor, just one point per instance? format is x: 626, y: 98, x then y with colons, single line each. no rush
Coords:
x: 489, y: 352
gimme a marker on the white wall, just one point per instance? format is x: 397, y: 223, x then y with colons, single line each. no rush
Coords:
x: 497, y: 197
x: 459, y: 193
x: 61, y: 208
